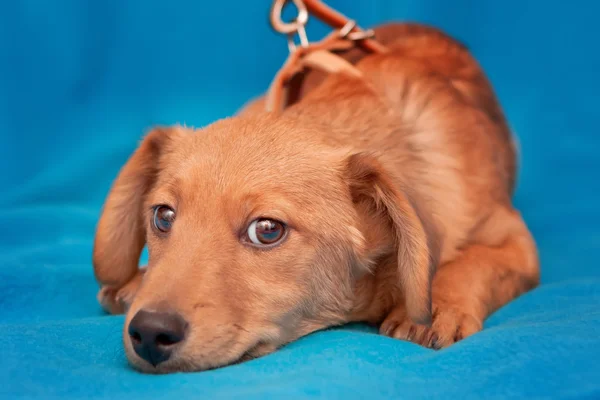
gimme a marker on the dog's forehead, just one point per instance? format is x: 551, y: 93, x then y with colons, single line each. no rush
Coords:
x: 254, y: 155
x: 252, y: 149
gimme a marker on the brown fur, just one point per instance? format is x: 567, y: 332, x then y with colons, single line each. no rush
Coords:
x: 396, y: 189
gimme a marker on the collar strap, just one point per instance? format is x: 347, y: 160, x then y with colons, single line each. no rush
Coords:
x: 317, y: 55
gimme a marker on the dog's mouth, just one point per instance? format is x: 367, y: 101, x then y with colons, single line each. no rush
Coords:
x: 251, y: 354
x: 257, y: 350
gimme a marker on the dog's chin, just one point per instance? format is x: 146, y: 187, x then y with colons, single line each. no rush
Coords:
x: 189, y: 364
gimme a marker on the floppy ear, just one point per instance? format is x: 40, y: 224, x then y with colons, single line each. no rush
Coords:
x: 120, y: 234
x: 413, y: 237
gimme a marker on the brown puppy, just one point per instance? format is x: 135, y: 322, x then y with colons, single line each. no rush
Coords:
x: 385, y: 199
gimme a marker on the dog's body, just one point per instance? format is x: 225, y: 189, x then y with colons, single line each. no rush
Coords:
x: 395, y: 191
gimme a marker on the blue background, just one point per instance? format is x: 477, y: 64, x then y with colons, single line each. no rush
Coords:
x: 80, y: 81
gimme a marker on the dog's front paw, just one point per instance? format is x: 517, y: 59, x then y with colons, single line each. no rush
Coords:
x: 117, y: 300
x: 449, y: 325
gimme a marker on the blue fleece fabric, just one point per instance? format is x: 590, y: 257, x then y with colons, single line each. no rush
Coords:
x: 81, y: 80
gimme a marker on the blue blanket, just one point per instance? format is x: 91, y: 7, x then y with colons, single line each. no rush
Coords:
x: 80, y: 81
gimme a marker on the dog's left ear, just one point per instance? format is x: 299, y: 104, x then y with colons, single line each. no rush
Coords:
x: 413, y: 237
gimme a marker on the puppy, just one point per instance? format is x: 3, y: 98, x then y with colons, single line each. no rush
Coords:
x: 384, y: 199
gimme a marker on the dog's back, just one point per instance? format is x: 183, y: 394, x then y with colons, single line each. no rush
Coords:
x: 427, y: 52
x: 446, y: 57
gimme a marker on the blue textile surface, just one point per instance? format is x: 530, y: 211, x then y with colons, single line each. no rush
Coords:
x: 81, y: 80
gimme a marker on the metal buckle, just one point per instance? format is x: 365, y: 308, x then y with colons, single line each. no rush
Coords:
x: 296, y: 27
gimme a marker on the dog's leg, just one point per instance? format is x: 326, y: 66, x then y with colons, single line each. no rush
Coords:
x: 117, y: 301
x: 469, y: 288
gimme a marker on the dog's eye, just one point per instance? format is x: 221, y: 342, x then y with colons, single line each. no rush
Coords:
x: 164, y: 216
x: 265, y: 231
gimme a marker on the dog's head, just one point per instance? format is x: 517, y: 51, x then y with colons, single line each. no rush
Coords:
x: 257, y: 233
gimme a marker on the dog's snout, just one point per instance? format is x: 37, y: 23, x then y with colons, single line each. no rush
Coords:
x: 154, y: 335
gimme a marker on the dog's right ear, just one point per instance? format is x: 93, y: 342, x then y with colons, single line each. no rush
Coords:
x: 120, y: 234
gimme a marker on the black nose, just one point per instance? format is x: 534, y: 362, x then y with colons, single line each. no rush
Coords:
x: 155, y: 335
